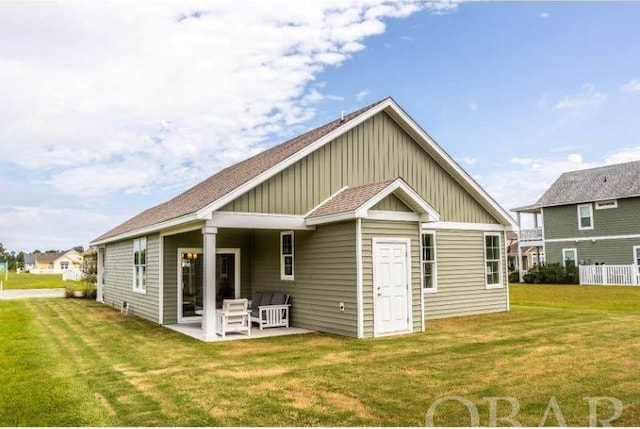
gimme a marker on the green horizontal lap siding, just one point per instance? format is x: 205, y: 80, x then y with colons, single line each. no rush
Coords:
x: 461, y: 277
x: 325, y: 275
x: 119, y: 278
x: 562, y: 221
x: 225, y: 238
x: 391, y: 203
x: 375, y: 150
x: 387, y: 229
x: 611, y: 252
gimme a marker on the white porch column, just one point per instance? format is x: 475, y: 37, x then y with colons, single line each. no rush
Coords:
x: 519, y: 263
x: 209, y: 299
x: 100, y: 275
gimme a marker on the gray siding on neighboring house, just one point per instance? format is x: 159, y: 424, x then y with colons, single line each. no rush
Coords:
x: 225, y: 238
x: 324, y: 271
x: 376, y: 150
x: 387, y: 229
x: 119, y: 278
x: 461, y: 277
x: 562, y: 221
x: 611, y: 252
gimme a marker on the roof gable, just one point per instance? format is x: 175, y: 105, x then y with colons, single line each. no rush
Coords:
x: 200, y: 201
x: 595, y: 184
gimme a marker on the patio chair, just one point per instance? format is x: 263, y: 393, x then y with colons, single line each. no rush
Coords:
x: 270, y: 309
x: 233, y: 317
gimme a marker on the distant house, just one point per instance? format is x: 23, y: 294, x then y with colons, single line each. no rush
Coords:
x: 29, y: 262
x: 54, y: 262
x: 365, y: 222
x: 588, y: 218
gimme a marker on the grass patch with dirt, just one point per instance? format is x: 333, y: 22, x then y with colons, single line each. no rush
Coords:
x: 124, y: 371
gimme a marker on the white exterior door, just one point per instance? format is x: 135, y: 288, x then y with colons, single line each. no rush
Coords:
x: 392, y: 299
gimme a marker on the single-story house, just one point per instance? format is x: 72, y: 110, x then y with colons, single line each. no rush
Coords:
x: 365, y: 222
x: 53, y: 262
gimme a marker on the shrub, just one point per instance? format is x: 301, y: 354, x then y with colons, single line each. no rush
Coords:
x: 552, y: 273
x: 514, y: 277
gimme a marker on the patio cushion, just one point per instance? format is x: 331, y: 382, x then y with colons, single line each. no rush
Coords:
x: 266, y: 298
x: 278, y: 298
x: 256, y: 299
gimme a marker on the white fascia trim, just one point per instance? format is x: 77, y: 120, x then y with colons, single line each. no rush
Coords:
x: 406, y: 193
x: 338, y: 217
x: 494, y: 227
x: 454, y: 167
x: 182, y: 229
x: 359, y: 284
x: 147, y: 230
x: 596, y: 238
x: 265, y: 175
x: 325, y: 201
x: 258, y: 221
x: 394, y: 216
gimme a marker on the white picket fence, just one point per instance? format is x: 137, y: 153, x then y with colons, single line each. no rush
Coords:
x: 72, y: 275
x: 621, y: 275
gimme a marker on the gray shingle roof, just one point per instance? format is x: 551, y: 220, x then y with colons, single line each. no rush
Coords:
x: 227, y: 180
x: 595, y: 184
x: 349, y: 199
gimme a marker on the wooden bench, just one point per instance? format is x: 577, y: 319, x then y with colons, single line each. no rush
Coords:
x: 270, y: 309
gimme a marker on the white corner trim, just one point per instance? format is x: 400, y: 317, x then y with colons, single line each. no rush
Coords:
x: 492, y: 227
x: 359, y: 286
x: 258, y: 220
x: 161, y: 281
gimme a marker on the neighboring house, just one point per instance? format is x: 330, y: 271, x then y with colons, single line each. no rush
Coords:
x: 29, y: 262
x: 366, y: 223
x: 588, y: 217
x: 54, y: 262
x: 529, y: 256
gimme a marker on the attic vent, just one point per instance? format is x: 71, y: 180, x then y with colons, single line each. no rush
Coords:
x: 605, y: 179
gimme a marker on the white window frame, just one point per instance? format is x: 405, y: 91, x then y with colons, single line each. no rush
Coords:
x: 284, y: 276
x: 584, y: 228
x: 64, y: 265
x: 500, y: 284
x: 140, y: 268
x: 575, y: 256
x: 434, y: 261
x: 608, y: 204
x: 636, y: 256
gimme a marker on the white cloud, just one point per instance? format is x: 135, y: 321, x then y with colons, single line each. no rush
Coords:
x: 543, y: 15
x: 473, y: 105
x: 469, y: 161
x: 362, y: 94
x: 626, y: 154
x: 103, y: 103
x: 575, y: 158
x: 521, y: 161
x: 631, y: 86
x: 577, y: 106
x: 407, y: 38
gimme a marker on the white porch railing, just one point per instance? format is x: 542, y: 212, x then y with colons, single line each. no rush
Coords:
x: 531, y: 234
x: 622, y: 275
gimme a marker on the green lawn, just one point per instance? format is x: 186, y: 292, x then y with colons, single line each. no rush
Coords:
x: 78, y: 363
x: 34, y: 281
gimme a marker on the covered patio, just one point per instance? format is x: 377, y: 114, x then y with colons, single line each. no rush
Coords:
x: 194, y: 330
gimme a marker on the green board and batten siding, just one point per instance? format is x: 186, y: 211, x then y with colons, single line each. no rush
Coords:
x: 118, y: 266
x: 376, y: 150
x: 387, y: 229
x: 391, y: 203
x: 324, y: 271
x: 461, y: 277
x: 562, y: 223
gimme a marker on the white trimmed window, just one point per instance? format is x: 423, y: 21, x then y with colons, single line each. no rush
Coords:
x: 636, y: 256
x: 492, y: 260
x: 429, y: 269
x: 140, y: 265
x: 585, y: 216
x: 611, y: 204
x: 569, y: 257
x: 64, y: 265
x: 286, y: 255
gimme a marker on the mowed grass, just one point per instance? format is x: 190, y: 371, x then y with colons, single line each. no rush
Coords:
x: 33, y: 281
x: 78, y: 363
x: 575, y: 297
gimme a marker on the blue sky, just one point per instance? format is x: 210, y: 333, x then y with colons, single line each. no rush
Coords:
x: 105, y: 114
